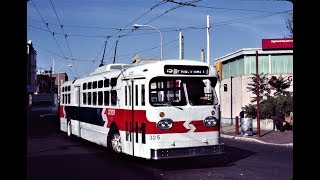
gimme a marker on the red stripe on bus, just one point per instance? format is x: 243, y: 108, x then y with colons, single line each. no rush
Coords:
x: 61, y: 112
x: 121, y: 116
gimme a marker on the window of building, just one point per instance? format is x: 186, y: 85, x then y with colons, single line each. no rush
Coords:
x: 89, y: 85
x: 281, y: 64
x: 84, y: 86
x: 233, y: 67
x: 250, y: 64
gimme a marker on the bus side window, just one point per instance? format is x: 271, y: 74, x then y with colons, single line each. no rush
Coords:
x: 143, y: 95
x: 100, y: 98
x: 89, y: 98
x: 143, y: 132
x: 106, y: 83
x: 100, y: 83
x: 94, y: 85
x: 106, y: 98
x: 136, y: 94
x: 125, y: 95
x: 84, y: 98
x: 113, y: 97
x: 129, y: 89
x: 94, y: 98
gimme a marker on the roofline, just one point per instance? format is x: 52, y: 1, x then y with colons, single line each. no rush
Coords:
x: 250, y: 51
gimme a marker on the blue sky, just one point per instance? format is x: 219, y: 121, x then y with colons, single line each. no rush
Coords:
x: 75, y: 32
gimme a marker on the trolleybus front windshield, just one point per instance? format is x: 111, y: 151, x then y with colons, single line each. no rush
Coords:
x: 178, y: 91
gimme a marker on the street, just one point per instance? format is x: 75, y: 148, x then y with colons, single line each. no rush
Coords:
x: 51, y: 155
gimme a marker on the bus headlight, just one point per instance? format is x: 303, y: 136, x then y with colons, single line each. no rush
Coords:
x: 210, y: 121
x: 164, y: 124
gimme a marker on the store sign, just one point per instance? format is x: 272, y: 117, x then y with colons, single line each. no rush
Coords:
x: 186, y: 70
x: 277, y: 44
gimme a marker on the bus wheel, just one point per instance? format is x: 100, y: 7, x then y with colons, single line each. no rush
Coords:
x: 116, y: 142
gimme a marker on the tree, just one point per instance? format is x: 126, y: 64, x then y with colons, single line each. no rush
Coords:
x: 289, y: 22
x: 264, y: 90
x: 281, y: 84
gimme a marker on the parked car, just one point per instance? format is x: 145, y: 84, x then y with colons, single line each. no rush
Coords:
x: 45, y: 108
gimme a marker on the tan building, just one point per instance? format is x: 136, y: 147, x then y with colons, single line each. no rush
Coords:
x: 236, y: 71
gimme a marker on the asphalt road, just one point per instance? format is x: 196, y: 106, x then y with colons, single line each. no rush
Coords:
x: 52, y: 156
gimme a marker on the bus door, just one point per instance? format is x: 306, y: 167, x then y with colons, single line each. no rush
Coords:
x: 76, y: 126
x: 135, y: 100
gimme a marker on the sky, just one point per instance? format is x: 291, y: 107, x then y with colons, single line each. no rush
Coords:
x: 86, y: 33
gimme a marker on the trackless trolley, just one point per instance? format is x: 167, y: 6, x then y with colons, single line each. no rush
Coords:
x: 158, y: 110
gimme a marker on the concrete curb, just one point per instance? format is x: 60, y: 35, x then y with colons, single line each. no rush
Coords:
x: 253, y: 140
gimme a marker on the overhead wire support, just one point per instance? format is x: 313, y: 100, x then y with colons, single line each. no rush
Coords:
x: 115, y: 52
x: 154, y: 6
x: 104, y: 50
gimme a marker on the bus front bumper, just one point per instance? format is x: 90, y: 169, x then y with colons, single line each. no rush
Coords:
x: 187, y: 152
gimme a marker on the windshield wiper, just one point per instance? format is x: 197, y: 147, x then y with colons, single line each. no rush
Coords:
x: 169, y: 104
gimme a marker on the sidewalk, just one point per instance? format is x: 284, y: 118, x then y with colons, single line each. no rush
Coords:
x: 266, y: 136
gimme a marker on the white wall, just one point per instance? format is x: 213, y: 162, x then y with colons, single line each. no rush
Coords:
x: 240, y: 95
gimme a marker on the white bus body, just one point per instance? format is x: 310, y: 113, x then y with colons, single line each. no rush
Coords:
x: 147, y: 110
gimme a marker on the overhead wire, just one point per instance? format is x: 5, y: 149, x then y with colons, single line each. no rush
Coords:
x: 65, y: 37
x: 48, y: 29
x: 163, y: 30
x: 154, y: 6
x: 210, y: 7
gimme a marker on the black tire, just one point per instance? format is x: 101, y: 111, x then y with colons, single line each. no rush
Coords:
x: 114, y: 140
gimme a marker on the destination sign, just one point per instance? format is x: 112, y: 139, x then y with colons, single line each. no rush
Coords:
x: 186, y: 70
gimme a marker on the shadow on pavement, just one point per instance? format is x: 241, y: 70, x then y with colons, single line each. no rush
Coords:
x: 230, y: 156
x: 38, y: 126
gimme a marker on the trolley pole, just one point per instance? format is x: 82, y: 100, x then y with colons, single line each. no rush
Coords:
x: 258, y: 96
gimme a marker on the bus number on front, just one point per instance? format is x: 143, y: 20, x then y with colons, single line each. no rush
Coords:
x: 154, y: 137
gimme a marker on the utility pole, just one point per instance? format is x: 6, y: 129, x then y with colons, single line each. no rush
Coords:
x: 231, y: 103
x: 208, y: 39
x: 258, y: 96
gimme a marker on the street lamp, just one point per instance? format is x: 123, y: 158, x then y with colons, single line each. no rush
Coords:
x: 140, y: 25
x: 69, y: 65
